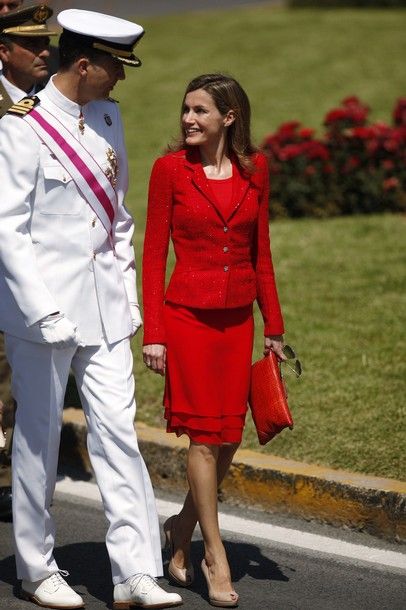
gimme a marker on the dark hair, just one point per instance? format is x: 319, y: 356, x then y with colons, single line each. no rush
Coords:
x: 227, y: 94
x: 74, y: 46
x: 6, y: 40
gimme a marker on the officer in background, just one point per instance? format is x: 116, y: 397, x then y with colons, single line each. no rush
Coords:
x: 24, y: 52
x: 9, y: 5
x: 69, y: 300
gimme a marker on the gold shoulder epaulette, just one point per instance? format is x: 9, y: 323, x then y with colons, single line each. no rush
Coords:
x: 24, y: 106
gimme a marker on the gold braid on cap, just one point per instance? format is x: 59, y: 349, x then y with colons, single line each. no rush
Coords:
x: 112, y: 50
x: 24, y: 28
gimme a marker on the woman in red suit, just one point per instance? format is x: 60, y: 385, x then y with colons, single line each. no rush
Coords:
x: 209, y: 194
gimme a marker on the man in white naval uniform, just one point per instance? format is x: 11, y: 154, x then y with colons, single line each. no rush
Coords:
x: 68, y: 299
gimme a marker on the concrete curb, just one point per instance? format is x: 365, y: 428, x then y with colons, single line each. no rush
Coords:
x: 371, y: 504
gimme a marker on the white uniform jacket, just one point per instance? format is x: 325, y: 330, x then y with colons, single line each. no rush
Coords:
x: 55, y: 255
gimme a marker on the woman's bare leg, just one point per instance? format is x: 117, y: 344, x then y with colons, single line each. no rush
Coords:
x: 187, y: 519
x: 203, y: 471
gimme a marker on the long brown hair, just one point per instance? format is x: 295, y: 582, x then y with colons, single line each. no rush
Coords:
x: 227, y: 94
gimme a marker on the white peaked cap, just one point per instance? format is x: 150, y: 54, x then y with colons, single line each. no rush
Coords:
x: 111, y: 34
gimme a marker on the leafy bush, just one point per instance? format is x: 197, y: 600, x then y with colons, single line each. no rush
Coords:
x: 355, y: 167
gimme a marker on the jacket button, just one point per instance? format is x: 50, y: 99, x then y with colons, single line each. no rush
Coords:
x: 94, y: 222
x: 225, y: 267
x: 225, y: 249
x: 225, y: 229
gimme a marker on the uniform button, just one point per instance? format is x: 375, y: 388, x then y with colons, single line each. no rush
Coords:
x: 94, y: 255
x: 94, y: 222
x: 225, y: 229
x: 225, y: 249
x: 225, y: 267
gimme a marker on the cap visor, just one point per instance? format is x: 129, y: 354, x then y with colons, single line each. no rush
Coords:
x: 132, y: 62
x: 31, y: 33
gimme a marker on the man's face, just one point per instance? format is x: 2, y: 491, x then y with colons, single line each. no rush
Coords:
x: 103, y: 75
x: 9, y: 5
x: 25, y: 61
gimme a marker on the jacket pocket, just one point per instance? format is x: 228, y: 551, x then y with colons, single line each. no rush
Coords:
x: 60, y: 194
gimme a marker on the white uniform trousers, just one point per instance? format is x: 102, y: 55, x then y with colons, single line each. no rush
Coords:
x: 106, y: 385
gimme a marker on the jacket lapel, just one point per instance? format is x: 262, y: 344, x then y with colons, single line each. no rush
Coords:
x: 240, y: 187
x: 240, y: 183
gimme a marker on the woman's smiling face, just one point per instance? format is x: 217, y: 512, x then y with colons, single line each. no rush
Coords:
x: 202, y: 122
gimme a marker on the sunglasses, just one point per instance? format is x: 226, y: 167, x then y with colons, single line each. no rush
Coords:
x: 291, y: 355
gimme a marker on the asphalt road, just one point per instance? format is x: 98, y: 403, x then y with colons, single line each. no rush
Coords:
x: 267, y: 575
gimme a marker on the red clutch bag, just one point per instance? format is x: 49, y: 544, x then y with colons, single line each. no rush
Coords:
x: 268, y: 399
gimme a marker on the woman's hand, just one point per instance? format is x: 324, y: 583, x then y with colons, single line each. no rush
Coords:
x: 155, y: 357
x: 274, y: 343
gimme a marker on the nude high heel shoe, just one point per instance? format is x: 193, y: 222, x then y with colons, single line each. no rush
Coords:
x: 220, y: 599
x: 181, y: 576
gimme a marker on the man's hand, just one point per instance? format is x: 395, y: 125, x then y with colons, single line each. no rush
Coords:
x: 58, y: 331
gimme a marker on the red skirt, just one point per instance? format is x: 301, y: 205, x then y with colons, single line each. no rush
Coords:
x: 208, y: 368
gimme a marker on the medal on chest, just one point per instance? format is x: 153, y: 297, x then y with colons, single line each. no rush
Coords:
x: 112, y: 170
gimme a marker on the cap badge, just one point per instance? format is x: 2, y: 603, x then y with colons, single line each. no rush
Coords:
x: 41, y: 14
x: 108, y: 120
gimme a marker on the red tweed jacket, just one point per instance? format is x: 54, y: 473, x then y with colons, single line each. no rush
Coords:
x: 220, y: 262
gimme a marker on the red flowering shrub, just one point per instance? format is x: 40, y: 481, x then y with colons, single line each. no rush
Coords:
x: 356, y: 167
x: 299, y: 171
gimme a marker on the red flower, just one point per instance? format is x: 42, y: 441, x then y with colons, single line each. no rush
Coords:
x: 391, y: 144
x: 362, y: 133
x: 399, y: 112
x: 290, y: 151
x: 289, y: 127
x: 352, y: 111
x: 306, y: 133
x: 372, y: 146
x: 390, y: 183
x: 388, y: 164
x: 352, y: 163
x: 310, y: 170
x: 351, y: 100
x: 317, y: 150
x: 338, y: 114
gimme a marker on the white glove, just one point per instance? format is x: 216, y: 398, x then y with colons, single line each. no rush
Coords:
x: 136, y: 318
x: 58, y: 331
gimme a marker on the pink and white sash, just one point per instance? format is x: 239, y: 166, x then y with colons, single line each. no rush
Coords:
x: 78, y: 162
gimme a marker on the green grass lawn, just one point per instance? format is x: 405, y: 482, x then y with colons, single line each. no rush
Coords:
x: 340, y: 280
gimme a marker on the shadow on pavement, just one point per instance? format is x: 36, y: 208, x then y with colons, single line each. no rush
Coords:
x: 89, y: 568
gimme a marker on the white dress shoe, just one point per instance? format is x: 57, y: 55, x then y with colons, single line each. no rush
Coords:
x: 51, y: 592
x: 143, y: 591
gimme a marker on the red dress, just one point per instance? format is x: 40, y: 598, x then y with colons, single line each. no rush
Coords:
x: 208, y: 363
x: 223, y: 262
